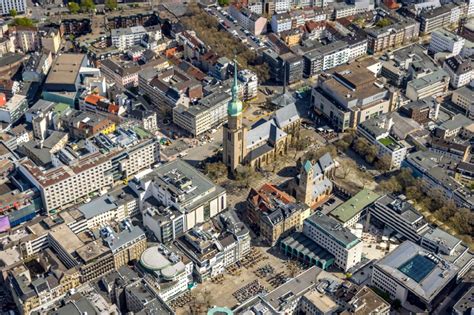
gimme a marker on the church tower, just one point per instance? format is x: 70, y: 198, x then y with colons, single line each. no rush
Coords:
x: 234, y: 132
x: 306, y: 183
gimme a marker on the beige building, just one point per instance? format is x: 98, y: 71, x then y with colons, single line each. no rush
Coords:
x: 26, y: 38
x: 313, y: 184
x: 351, y: 95
x: 30, y: 293
x: 275, y: 213
x: 51, y: 40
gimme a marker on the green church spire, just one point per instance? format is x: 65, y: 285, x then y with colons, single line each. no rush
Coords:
x: 234, y: 108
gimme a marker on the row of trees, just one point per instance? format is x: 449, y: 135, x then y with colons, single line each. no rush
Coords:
x: 367, y: 150
x: 89, y: 6
x: 434, y: 200
x: 221, y: 41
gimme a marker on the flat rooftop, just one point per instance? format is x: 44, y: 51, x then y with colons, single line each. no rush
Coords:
x: 420, y: 271
x: 66, y: 238
x: 183, y: 180
x: 65, y: 69
x: 355, y: 205
x: 333, y: 229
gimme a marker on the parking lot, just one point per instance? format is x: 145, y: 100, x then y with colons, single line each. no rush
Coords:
x: 231, y: 25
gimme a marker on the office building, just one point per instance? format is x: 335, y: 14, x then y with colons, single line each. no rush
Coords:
x: 378, y: 131
x: 355, y: 209
x: 175, y: 197
x: 350, y: 96
x: 80, y: 175
x: 7, y: 5
x: 13, y: 109
x: 331, y: 235
x: 397, y: 214
x: 443, y: 40
x: 433, y: 19
x: 215, y: 245
x: 433, y: 84
x: 414, y: 275
x: 167, y: 269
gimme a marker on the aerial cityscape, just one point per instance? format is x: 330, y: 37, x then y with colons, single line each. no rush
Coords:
x: 237, y: 157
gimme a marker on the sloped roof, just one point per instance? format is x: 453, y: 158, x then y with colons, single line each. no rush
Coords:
x: 286, y: 115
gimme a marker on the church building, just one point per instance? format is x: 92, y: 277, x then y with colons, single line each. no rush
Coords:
x: 259, y: 144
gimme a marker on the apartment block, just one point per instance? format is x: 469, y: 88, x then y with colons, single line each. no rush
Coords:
x: 460, y: 71
x: 209, y: 113
x: 248, y: 19
x: 326, y: 57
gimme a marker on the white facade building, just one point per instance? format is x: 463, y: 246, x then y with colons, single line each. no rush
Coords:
x: 460, y: 71
x: 445, y: 41
x: 124, y: 38
x: 328, y: 233
x: 281, y: 22
x: 282, y: 5
x: 175, y: 197
x: 7, y: 5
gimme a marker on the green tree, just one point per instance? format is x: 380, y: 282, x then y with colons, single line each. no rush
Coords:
x: 414, y: 192
x: 302, y: 144
x: 87, y: 5
x: 216, y: 170
x: 223, y: 3
x: 342, y: 145
x: 406, y: 178
x: 73, y: 7
x: 384, y: 163
x: 23, y: 21
x: 383, y: 22
x: 13, y: 12
x: 446, y: 212
x: 245, y: 175
x: 111, y: 4
x: 463, y: 221
x: 315, y: 155
x: 390, y: 185
x: 361, y: 145
x: 371, y: 153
